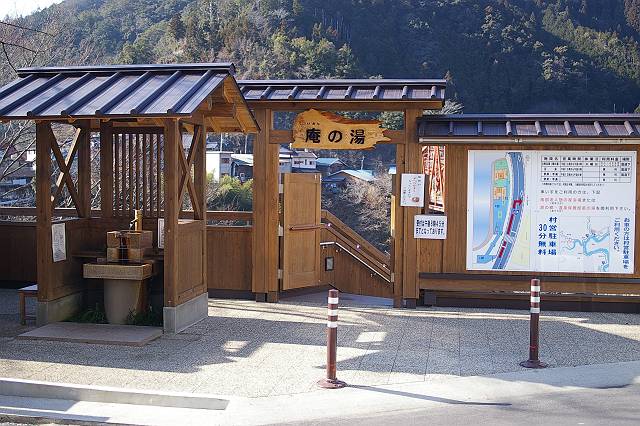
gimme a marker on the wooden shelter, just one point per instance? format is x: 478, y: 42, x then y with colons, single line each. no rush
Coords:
x: 143, y: 114
x: 152, y: 121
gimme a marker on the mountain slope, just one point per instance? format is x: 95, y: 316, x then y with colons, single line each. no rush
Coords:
x: 499, y: 55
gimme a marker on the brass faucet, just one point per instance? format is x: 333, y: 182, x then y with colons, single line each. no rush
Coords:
x: 136, y: 223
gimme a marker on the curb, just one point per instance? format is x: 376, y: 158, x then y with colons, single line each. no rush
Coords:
x: 103, y: 394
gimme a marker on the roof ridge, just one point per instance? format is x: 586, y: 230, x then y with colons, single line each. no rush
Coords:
x: 217, y: 66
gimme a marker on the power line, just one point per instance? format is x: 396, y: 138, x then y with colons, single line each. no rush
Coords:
x: 26, y: 28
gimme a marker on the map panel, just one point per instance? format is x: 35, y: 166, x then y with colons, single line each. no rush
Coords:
x: 551, y: 211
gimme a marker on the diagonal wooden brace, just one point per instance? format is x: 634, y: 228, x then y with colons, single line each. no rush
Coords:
x: 65, y: 167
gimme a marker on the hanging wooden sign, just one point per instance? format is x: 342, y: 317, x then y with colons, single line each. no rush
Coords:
x: 315, y: 129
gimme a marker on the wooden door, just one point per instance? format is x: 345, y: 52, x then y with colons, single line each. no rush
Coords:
x: 301, y: 233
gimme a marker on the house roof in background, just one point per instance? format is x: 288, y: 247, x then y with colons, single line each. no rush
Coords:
x: 328, y: 161
x: 365, y: 175
x: 243, y: 159
x: 157, y: 90
x: 541, y: 126
x: 369, y: 90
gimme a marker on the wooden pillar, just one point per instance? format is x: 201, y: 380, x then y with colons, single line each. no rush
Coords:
x: 397, y: 228
x: 44, y: 208
x: 84, y: 170
x: 265, y: 211
x: 172, y: 142
x: 200, y: 184
x: 106, y: 169
x: 412, y: 164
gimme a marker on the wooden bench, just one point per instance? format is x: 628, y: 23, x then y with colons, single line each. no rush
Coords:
x: 23, y: 293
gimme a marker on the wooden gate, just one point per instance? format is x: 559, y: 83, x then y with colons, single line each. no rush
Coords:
x: 301, y: 230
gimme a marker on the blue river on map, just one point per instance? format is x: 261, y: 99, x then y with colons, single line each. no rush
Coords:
x: 595, y: 238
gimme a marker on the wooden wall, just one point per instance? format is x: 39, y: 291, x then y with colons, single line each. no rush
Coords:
x: 18, y: 251
x: 229, y: 258
x: 448, y: 256
x: 189, y: 260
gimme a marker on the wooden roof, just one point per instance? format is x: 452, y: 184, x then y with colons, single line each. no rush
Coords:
x: 423, y: 93
x: 542, y: 127
x: 128, y: 92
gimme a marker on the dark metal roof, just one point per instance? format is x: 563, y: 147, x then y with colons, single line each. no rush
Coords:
x: 552, y: 126
x: 111, y: 90
x: 343, y: 90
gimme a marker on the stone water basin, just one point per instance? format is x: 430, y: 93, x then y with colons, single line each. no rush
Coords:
x: 123, y: 287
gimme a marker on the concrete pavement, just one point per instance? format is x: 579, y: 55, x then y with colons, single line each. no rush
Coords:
x: 251, y: 349
x: 566, y: 395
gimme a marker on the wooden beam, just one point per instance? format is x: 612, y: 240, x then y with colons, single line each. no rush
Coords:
x: 413, y: 164
x: 343, y: 105
x: 172, y: 145
x: 84, y: 170
x: 265, y: 208
x: 107, y: 171
x: 200, y: 172
x: 397, y: 229
x: 44, y: 142
x: 200, y: 177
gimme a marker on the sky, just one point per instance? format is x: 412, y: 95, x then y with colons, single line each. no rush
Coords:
x: 23, y: 7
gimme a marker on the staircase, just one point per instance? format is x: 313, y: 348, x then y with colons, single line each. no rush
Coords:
x: 358, y: 266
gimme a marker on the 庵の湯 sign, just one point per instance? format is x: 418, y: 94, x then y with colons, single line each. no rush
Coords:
x: 324, y: 130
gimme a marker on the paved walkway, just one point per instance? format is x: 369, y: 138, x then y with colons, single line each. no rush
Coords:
x: 257, y: 349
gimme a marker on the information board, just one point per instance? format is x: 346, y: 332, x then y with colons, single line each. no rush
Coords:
x: 551, y: 211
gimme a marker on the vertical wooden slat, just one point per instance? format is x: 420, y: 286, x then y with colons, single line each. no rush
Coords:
x: 107, y: 170
x: 44, y: 209
x: 130, y: 205
x: 84, y: 170
x: 137, y: 166
x: 171, y: 211
x: 123, y: 188
x: 152, y: 173
x: 145, y: 174
x: 159, y: 149
x: 117, y: 172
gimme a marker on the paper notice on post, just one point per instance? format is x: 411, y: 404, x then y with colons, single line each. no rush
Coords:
x: 412, y: 190
x: 59, y: 242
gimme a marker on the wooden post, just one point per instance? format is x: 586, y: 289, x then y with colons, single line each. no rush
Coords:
x: 84, y: 170
x: 44, y: 209
x: 397, y: 229
x: 107, y: 169
x: 200, y: 184
x: 265, y: 211
x: 413, y: 164
x: 172, y: 142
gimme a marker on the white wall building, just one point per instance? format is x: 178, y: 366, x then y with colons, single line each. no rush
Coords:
x: 219, y: 163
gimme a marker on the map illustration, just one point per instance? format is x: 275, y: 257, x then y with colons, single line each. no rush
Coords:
x: 551, y: 211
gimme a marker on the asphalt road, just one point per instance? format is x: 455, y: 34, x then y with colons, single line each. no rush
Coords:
x: 615, y: 406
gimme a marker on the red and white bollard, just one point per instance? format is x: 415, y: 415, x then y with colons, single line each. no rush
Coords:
x: 331, y: 381
x: 534, y: 329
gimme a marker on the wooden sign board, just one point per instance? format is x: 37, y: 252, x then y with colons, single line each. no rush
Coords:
x: 315, y: 129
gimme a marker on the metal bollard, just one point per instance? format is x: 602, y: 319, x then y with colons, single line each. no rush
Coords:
x: 534, y: 329
x: 331, y: 381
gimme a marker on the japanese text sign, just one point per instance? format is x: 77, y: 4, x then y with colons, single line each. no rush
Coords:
x: 430, y: 226
x: 315, y: 129
x: 412, y: 190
